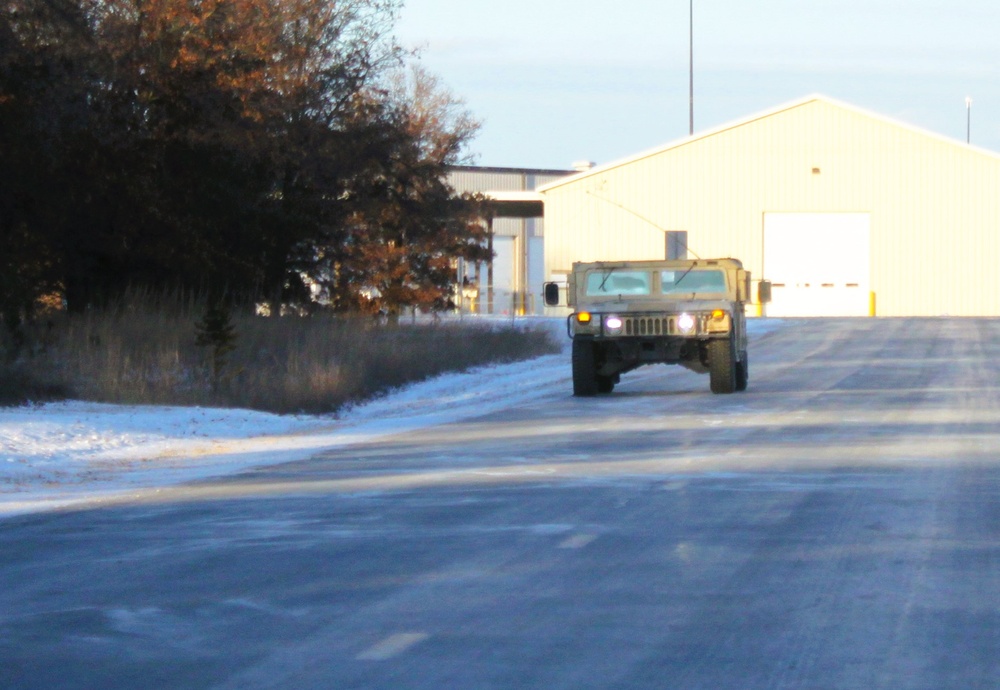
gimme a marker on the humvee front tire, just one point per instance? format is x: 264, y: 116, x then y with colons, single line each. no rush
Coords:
x: 585, y: 379
x: 722, y: 365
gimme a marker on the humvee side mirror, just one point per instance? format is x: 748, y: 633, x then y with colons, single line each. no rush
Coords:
x: 764, y: 291
x: 551, y: 293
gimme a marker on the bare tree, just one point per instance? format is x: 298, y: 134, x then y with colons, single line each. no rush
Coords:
x: 410, y: 226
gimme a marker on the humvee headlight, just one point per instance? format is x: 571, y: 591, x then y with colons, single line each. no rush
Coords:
x: 718, y: 314
x: 583, y: 317
x: 613, y: 324
x: 685, y: 324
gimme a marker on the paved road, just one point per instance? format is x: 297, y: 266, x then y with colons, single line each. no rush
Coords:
x: 836, y: 526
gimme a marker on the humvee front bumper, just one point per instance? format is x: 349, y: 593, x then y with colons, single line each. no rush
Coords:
x: 694, y: 324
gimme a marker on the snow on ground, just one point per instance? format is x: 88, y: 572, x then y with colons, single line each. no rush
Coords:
x: 59, y: 454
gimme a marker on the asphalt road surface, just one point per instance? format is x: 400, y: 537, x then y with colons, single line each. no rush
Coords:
x: 835, y: 526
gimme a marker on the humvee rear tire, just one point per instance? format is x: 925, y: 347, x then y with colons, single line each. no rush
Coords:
x: 585, y: 379
x: 742, y: 373
x: 722, y: 365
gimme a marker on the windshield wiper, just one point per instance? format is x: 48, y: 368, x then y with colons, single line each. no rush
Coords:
x: 607, y: 275
x: 684, y: 274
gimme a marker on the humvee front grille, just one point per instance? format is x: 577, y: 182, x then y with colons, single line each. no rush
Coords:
x: 647, y: 325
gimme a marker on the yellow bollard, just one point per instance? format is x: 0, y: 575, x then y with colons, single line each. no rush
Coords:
x: 871, y: 303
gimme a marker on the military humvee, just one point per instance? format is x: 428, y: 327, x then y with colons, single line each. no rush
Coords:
x: 630, y: 313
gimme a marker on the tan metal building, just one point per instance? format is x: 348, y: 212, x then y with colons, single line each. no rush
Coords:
x: 846, y: 212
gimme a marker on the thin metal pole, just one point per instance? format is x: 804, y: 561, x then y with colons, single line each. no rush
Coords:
x: 968, y: 120
x: 489, y: 264
x: 691, y: 65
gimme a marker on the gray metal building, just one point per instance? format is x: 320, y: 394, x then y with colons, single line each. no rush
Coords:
x: 512, y: 282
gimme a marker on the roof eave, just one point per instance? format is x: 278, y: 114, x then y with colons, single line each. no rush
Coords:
x: 747, y: 120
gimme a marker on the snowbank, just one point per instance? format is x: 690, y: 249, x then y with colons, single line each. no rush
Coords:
x: 60, y: 453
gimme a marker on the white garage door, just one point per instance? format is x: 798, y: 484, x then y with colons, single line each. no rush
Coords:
x: 818, y: 263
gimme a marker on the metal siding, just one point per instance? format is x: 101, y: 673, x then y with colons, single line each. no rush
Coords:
x: 486, y: 181
x: 508, y: 227
x: 933, y: 203
x: 537, y: 180
x: 492, y: 180
x: 514, y: 180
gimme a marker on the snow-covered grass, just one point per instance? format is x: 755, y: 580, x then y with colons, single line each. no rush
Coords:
x: 59, y: 454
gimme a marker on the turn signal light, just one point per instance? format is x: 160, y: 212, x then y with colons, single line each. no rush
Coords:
x: 718, y: 314
x: 583, y: 317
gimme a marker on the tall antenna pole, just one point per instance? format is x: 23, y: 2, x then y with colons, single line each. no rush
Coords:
x: 691, y: 65
x: 968, y: 120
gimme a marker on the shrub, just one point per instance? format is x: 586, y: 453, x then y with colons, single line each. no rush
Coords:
x: 146, y: 350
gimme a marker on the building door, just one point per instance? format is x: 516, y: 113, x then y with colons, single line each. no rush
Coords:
x: 818, y: 263
x: 503, y: 278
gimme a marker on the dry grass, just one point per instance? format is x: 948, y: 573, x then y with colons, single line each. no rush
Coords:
x: 143, y: 352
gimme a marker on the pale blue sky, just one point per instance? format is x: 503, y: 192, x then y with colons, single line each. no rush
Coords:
x: 557, y: 81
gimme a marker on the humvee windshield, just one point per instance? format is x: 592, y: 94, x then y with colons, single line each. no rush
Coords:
x: 695, y: 280
x: 615, y: 282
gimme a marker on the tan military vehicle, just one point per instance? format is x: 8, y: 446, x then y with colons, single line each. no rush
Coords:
x: 630, y: 313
